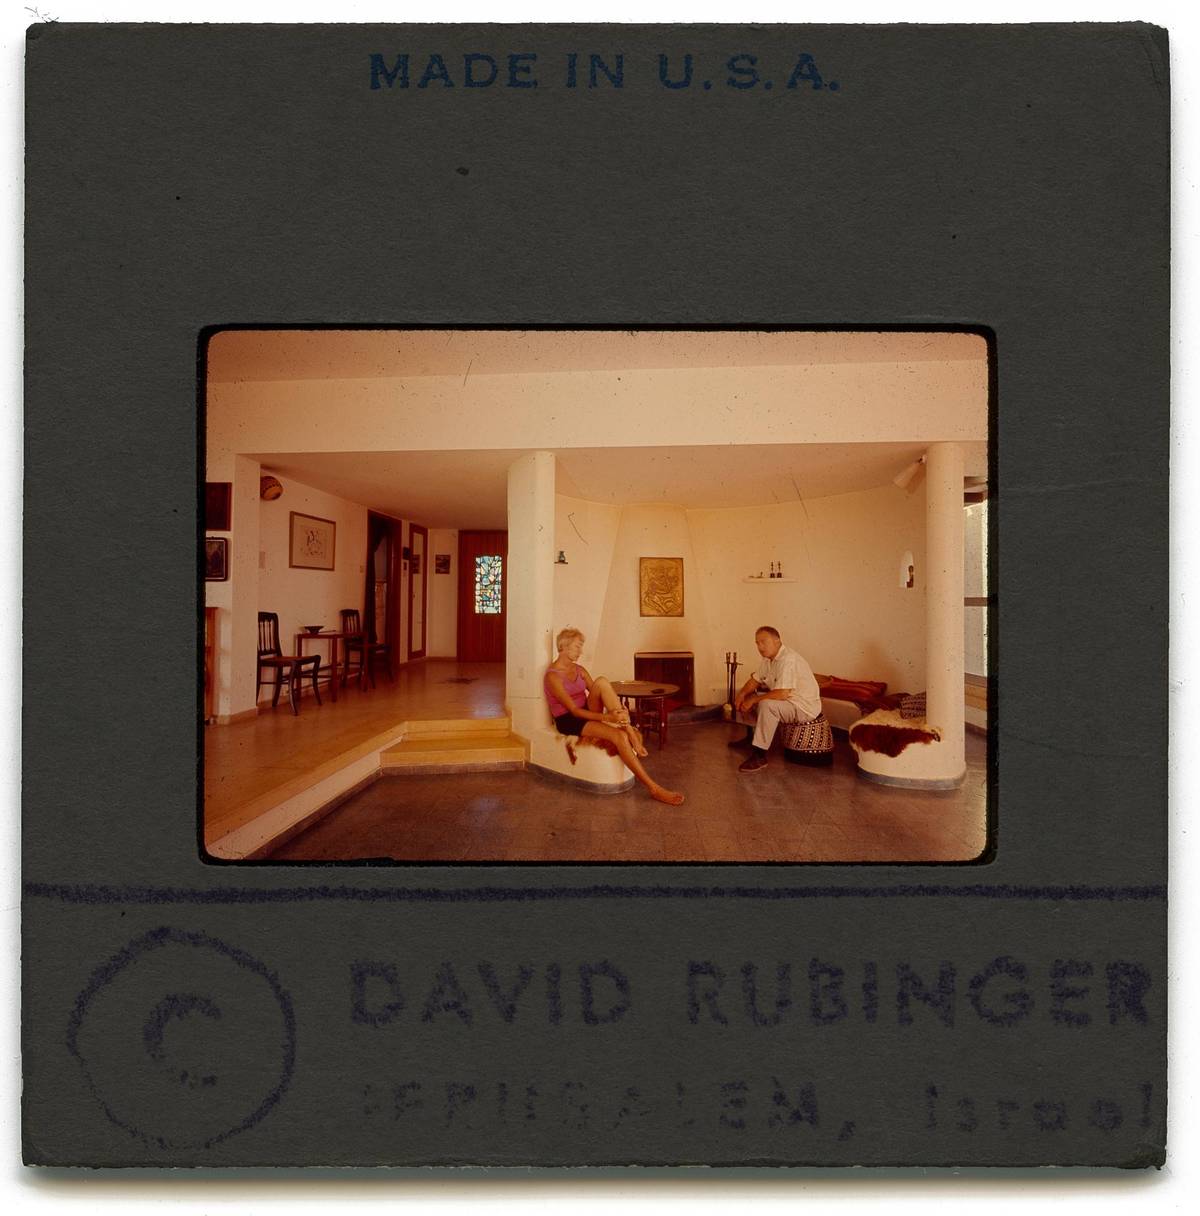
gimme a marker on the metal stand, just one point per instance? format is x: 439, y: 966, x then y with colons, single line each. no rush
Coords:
x: 731, y: 666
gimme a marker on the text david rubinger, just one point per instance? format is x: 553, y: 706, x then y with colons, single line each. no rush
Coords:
x: 1002, y: 992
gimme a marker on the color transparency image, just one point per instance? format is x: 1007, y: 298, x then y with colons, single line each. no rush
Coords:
x: 734, y: 580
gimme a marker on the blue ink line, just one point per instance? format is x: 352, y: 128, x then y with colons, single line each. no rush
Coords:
x: 90, y: 894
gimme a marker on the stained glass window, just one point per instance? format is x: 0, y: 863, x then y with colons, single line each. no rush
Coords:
x: 489, y: 570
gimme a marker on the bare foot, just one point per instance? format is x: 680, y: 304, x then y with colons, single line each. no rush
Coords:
x: 635, y: 737
x: 670, y: 797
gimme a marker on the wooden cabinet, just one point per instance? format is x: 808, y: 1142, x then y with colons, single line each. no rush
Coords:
x: 668, y: 667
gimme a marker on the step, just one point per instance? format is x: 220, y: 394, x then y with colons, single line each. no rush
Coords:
x: 488, y: 748
x: 450, y: 728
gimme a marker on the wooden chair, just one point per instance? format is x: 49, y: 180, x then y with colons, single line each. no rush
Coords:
x: 272, y: 658
x: 357, y: 645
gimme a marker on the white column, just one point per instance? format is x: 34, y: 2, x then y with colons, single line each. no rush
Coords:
x: 530, y: 582
x: 944, y: 606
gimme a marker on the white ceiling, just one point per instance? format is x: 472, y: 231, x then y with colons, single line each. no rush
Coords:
x: 341, y: 354
x: 468, y: 489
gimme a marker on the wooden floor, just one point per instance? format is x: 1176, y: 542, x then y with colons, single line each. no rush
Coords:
x: 245, y: 762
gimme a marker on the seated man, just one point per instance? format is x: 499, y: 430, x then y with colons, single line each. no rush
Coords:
x: 782, y: 689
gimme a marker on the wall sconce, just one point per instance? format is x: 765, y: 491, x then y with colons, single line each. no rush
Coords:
x: 905, y: 477
x: 561, y: 559
x: 269, y: 488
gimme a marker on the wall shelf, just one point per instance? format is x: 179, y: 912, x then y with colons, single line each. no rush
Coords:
x: 765, y: 579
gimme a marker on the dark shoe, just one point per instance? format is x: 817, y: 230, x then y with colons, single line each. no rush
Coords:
x: 745, y: 742
x: 753, y: 763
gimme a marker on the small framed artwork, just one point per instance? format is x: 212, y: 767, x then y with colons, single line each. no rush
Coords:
x: 216, y: 559
x: 441, y: 563
x: 660, y: 586
x: 218, y: 506
x: 312, y: 542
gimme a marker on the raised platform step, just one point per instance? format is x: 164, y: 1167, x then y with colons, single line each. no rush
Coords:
x: 491, y: 748
x: 405, y: 746
x: 451, y: 728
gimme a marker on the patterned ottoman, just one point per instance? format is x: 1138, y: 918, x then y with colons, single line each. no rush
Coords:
x: 807, y: 742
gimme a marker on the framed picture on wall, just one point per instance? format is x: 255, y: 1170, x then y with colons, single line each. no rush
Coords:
x: 312, y: 542
x: 216, y: 559
x: 441, y: 563
x: 660, y: 586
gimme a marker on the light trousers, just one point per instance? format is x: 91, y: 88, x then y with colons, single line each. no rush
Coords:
x: 766, y: 717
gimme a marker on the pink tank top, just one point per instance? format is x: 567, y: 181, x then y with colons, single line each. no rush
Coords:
x: 576, y: 690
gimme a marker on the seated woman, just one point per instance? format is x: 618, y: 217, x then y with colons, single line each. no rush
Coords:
x: 589, y: 708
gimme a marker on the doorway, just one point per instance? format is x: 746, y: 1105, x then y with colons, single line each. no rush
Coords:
x: 381, y: 601
x: 482, y: 595
x: 418, y: 595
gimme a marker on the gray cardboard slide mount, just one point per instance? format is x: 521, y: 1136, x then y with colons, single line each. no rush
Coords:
x: 1010, y: 179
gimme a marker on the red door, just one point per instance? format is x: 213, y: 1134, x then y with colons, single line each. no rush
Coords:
x: 482, y: 595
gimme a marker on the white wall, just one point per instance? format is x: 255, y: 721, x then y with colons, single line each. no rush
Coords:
x: 443, y: 596
x: 309, y: 597
x: 846, y: 612
x: 652, y: 531
x: 586, y: 533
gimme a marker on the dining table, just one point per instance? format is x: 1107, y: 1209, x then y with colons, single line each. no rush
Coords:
x: 333, y: 637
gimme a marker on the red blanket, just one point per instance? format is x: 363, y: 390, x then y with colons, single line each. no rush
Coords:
x: 866, y: 694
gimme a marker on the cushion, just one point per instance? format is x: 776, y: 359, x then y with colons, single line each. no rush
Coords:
x: 868, y: 695
x: 851, y: 690
x: 808, y: 742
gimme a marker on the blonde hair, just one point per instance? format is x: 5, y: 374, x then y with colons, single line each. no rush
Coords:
x: 565, y: 636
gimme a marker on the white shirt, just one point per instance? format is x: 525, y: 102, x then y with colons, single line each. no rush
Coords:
x: 789, y: 670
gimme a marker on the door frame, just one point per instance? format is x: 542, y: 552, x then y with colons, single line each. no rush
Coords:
x: 393, y: 627
x: 424, y: 577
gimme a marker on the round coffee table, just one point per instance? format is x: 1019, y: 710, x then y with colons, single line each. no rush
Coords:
x: 647, y: 705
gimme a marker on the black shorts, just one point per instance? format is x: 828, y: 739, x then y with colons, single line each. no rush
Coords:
x: 569, y: 724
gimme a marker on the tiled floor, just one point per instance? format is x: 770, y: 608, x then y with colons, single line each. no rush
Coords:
x: 784, y: 812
